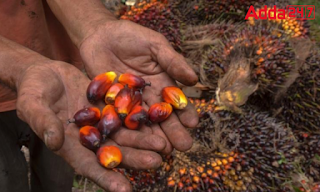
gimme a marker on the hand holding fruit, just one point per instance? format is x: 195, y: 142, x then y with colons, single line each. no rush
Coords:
x: 46, y: 107
x: 127, y: 110
x: 125, y: 47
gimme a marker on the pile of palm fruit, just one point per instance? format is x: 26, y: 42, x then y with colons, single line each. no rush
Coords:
x: 259, y: 129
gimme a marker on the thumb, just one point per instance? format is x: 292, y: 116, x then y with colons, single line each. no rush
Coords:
x: 42, y: 120
x: 174, y: 64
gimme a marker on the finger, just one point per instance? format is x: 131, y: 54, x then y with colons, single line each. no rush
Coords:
x: 85, y: 163
x: 145, y: 129
x: 188, y: 116
x: 173, y: 63
x: 137, y: 159
x: 158, y: 131
x: 42, y: 120
x: 177, y: 134
x: 139, y: 140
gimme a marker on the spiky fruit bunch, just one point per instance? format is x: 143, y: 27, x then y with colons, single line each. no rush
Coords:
x: 195, y: 12
x: 197, y: 40
x: 301, y: 106
x: 264, y: 144
x: 194, y: 171
x: 189, y: 12
x: 309, y: 144
x: 248, y: 61
x: 201, y: 171
x: 270, y: 57
x: 309, y: 148
x: 157, y: 16
x: 150, y: 180
x: 292, y: 27
x: 248, y: 152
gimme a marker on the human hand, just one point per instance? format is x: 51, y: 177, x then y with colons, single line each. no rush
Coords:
x: 48, y: 95
x: 123, y: 46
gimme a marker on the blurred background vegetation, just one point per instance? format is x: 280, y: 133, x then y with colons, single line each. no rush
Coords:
x: 314, y: 24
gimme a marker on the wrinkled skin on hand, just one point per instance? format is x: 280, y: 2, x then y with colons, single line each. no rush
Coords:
x: 50, y: 94
x: 123, y: 46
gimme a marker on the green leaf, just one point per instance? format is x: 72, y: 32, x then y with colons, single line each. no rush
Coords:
x: 75, y: 183
x: 296, y: 189
x: 317, y: 157
x: 99, y: 190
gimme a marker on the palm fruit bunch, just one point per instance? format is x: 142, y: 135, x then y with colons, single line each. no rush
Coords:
x: 149, y: 180
x: 246, y: 61
x: 203, y: 170
x: 291, y: 27
x: 157, y: 16
x: 264, y: 144
x: 240, y: 152
x: 222, y: 51
x: 190, y: 12
x: 309, y: 149
x: 309, y: 144
x: 197, y: 40
x: 300, y: 108
x: 192, y: 171
x: 123, y: 101
x: 195, y: 12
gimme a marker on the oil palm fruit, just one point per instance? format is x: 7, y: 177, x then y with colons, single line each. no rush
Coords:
x: 159, y: 112
x: 86, y: 116
x: 112, y: 93
x: 136, y: 118
x: 109, y: 156
x: 99, y: 86
x: 123, y: 102
x: 175, y: 97
x: 90, y: 137
x: 136, y: 99
x: 110, y: 121
x: 132, y: 81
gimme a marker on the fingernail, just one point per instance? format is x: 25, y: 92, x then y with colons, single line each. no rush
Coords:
x: 46, y: 138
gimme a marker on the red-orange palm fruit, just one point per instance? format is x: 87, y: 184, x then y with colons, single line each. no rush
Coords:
x: 175, y: 97
x: 123, y: 101
x: 159, y: 112
x: 86, y: 116
x: 90, y: 137
x: 112, y: 93
x: 110, y: 121
x: 132, y: 81
x: 99, y: 86
x: 137, y: 117
x: 136, y: 99
x: 109, y: 156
